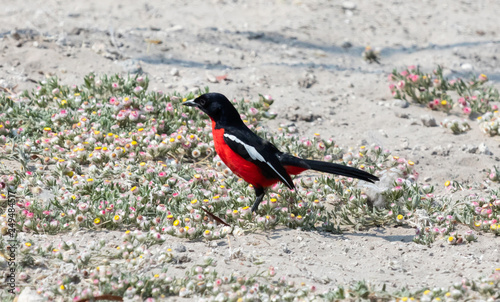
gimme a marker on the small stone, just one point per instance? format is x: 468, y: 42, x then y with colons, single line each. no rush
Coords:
x: 348, y: 5
x: 211, y: 78
x: 346, y: 44
x: 439, y: 150
x: 307, y: 80
x: 29, y: 295
x: 131, y: 66
x: 405, y: 145
x: 382, y: 132
x: 428, y: 121
x: 402, y: 115
x: 466, y: 66
x: 285, y: 249
x: 483, y: 149
x: 174, y: 72
x: 427, y: 179
x: 99, y: 47
x: 400, y: 103
x: 470, y: 148
x: 180, y: 248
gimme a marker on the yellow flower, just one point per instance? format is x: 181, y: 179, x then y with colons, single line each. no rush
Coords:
x: 142, y: 164
x: 157, y: 276
x: 447, y: 183
x: 97, y: 220
x: 176, y: 222
x: 28, y: 244
x: 117, y: 217
x: 64, y: 102
x: 140, y: 129
x: 62, y: 287
x: 90, y: 180
x: 400, y: 217
x: 47, y: 129
x: 110, y: 134
x: 134, y: 143
x: 411, y: 163
x: 444, y: 102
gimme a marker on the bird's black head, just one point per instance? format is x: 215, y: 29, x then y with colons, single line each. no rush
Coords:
x: 217, y: 106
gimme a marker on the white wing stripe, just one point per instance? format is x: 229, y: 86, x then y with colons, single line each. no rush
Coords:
x: 254, y: 154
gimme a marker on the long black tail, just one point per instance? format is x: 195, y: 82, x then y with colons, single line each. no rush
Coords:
x: 289, y: 160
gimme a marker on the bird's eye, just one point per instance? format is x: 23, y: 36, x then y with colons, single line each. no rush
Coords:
x: 202, y: 102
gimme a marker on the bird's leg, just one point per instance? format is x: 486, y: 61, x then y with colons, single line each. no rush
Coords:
x: 259, y: 192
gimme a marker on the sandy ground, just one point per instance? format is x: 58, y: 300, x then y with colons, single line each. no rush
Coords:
x: 269, y: 47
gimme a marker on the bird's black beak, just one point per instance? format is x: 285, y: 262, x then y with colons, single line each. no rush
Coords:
x: 190, y: 103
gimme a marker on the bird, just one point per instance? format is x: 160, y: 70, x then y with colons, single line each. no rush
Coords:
x: 253, y: 158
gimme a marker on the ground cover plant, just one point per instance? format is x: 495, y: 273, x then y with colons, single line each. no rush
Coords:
x: 111, y: 155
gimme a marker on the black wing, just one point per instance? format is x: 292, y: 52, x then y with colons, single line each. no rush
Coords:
x: 258, y: 151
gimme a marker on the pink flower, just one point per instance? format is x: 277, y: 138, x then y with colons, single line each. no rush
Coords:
x: 115, y: 85
x: 392, y: 87
x: 253, y: 111
x: 404, y: 73
x: 467, y: 110
x: 412, y: 67
x: 401, y: 84
x: 63, y: 113
x: 134, y: 116
x: 494, y: 107
x: 414, y: 77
